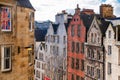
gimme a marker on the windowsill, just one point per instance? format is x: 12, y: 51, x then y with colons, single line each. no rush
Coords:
x: 30, y: 64
x: 30, y: 30
x: 6, y: 31
x: 6, y: 70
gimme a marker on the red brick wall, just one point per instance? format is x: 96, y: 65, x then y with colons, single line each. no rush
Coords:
x: 75, y: 38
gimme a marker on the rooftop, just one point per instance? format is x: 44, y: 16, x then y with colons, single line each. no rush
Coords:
x: 25, y: 3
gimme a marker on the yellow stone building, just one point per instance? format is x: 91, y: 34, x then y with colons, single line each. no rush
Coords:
x: 16, y: 40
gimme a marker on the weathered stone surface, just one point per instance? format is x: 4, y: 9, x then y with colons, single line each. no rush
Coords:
x: 19, y: 36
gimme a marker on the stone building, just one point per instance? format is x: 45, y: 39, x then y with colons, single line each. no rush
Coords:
x: 106, y: 11
x: 56, y: 48
x: 16, y: 40
x: 40, y: 61
x: 75, y: 53
x: 40, y: 55
x: 112, y: 53
x: 94, y: 50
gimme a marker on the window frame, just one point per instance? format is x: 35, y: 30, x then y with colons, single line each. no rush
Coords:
x: 72, y: 30
x: 5, y: 30
x: 30, y: 57
x: 3, y: 59
x: 109, y: 49
x: 78, y: 30
x: 72, y: 63
x: 109, y: 34
x: 73, y: 47
x: 31, y: 23
x: 109, y: 68
x: 77, y: 47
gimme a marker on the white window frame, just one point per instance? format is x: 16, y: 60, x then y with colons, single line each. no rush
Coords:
x: 3, y: 58
x: 4, y: 30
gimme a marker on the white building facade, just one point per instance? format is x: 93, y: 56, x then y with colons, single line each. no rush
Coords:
x: 40, y: 61
x: 112, y: 54
x: 56, y: 48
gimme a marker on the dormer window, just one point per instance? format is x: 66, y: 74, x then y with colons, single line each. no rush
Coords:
x: 109, y: 34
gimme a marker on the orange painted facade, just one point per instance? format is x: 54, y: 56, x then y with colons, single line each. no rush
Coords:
x: 73, y: 73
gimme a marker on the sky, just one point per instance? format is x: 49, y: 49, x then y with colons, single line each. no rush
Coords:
x: 47, y: 9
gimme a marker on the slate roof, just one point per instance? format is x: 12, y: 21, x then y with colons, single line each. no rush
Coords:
x: 42, y: 25
x: 25, y: 3
x: 87, y: 20
x: 40, y: 34
x: 67, y: 24
x: 103, y: 26
x: 55, y: 27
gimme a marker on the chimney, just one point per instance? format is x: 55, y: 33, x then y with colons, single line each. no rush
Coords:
x: 63, y: 11
x: 77, y: 10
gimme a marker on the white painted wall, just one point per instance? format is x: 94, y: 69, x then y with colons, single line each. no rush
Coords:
x: 56, y: 61
x: 113, y: 58
x: 38, y: 50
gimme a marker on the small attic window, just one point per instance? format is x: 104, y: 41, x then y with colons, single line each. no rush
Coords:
x: 41, y: 48
x: 74, y: 19
x: 109, y: 34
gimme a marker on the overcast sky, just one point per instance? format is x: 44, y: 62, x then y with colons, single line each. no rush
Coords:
x: 46, y: 9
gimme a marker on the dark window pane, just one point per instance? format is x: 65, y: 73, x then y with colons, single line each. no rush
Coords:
x: 78, y: 31
x: 72, y: 63
x: 7, y: 64
x: 73, y: 47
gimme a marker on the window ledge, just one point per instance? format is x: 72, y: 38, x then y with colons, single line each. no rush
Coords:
x: 30, y: 64
x: 6, y: 70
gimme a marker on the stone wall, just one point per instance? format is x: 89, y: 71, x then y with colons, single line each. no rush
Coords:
x: 22, y: 37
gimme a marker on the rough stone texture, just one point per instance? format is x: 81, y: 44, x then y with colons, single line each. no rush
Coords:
x: 19, y: 36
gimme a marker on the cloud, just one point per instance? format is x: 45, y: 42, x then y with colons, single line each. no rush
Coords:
x: 46, y: 9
